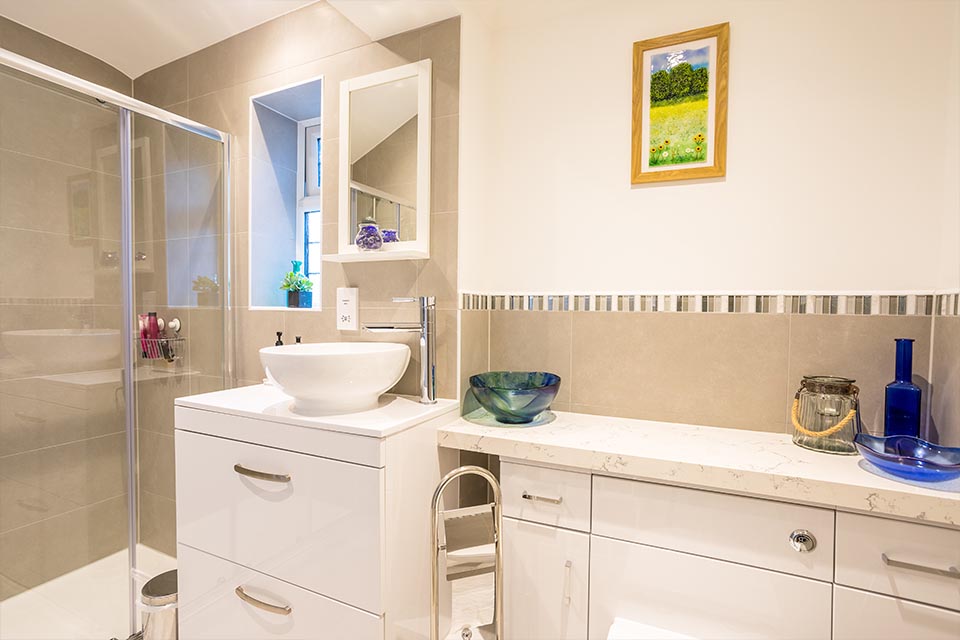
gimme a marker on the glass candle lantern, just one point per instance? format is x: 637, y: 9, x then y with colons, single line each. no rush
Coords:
x: 826, y: 414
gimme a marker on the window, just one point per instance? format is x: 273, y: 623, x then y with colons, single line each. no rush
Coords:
x: 309, y: 191
x: 285, y: 176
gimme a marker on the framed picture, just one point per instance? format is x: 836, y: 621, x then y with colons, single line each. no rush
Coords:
x: 680, y: 106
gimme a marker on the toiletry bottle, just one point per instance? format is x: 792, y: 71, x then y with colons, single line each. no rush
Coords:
x: 279, y: 342
x: 902, y: 406
x: 153, y: 333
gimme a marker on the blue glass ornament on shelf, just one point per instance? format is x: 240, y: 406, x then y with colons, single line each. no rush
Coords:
x: 369, y: 237
x: 390, y: 235
x: 902, y: 398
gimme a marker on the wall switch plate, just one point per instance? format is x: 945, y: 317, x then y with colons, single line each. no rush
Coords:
x: 347, y: 298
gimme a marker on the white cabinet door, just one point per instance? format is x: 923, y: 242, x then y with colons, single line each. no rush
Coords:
x: 318, y: 524
x: 211, y: 608
x: 546, y: 574
x: 859, y: 615
x: 694, y: 597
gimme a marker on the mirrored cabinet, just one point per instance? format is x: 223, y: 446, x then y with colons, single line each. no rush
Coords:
x: 384, y: 190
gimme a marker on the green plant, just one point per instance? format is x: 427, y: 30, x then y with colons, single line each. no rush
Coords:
x: 296, y: 281
x: 204, y: 284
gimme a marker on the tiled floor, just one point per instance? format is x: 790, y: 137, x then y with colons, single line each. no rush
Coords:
x: 91, y: 602
x: 87, y: 604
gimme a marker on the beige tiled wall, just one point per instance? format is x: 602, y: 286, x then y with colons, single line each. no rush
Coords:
x: 62, y: 439
x: 945, y: 367
x: 727, y: 370
x: 214, y: 86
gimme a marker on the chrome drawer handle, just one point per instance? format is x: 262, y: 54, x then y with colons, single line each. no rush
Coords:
x: 283, y: 610
x: 527, y: 496
x: 950, y: 572
x: 567, y: 568
x: 260, y: 475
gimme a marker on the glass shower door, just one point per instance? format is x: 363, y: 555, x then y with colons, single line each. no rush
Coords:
x: 63, y: 491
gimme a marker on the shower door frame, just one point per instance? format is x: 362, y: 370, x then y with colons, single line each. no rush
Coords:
x: 127, y: 108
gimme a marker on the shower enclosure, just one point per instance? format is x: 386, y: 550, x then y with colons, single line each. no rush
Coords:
x: 109, y: 208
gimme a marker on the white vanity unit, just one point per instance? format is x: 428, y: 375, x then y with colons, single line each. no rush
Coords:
x: 304, y: 527
x: 618, y: 528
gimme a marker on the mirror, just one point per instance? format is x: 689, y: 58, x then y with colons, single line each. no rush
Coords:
x: 385, y: 163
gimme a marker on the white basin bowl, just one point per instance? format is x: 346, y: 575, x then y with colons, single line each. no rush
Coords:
x: 335, y: 377
x: 61, y: 350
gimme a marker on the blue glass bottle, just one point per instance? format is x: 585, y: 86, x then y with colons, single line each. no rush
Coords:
x: 902, y: 414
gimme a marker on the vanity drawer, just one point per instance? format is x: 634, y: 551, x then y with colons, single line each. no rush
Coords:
x: 863, y: 541
x: 211, y: 609
x: 695, y: 597
x: 548, y: 496
x: 736, y: 528
x: 320, y: 530
x: 858, y: 615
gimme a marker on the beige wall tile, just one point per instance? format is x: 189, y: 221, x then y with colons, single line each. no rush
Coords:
x: 158, y: 523
x: 36, y: 46
x: 83, y: 472
x: 156, y: 469
x: 445, y: 164
x: 9, y: 588
x: 856, y: 347
x: 155, y: 400
x: 945, y: 395
x: 164, y: 85
x: 474, y: 351
x: 533, y: 341
x: 22, y: 504
x: 42, y: 551
x: 719, y: 370
x: 302, y: 26
x: 440, y: 43
x: 256, y: 329
x: 438, y: 275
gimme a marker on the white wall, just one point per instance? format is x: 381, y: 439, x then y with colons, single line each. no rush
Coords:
x: 842, y: 150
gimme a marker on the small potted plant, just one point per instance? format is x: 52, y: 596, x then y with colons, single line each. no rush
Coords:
x: 298, y: 288
x: 208, y: 291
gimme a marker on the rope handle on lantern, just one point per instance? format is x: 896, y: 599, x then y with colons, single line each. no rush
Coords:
x: 819, y: 434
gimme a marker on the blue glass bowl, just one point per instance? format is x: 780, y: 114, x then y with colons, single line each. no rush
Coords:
x: 515, y: 397
x: 910, y: 457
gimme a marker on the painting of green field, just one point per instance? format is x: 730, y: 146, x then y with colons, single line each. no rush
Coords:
x: 678, y: 132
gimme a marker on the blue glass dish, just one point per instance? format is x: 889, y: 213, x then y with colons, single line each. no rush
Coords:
x: 909, y: 457
x: 515, y: 397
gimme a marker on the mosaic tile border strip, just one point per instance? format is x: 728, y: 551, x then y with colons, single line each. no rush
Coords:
x: 945, y: 304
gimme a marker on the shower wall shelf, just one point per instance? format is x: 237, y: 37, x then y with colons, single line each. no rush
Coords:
x: 169, y: 349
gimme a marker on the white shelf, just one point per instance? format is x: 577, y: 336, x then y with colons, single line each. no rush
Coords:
x: 376, y: 256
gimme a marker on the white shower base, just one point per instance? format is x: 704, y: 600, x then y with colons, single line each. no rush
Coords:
x: 90, y: 603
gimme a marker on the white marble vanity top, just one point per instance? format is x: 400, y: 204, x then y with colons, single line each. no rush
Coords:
x: 753, y: 463
x: 268, y: 403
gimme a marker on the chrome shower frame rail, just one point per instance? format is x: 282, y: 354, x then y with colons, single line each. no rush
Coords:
x: 128, y: 106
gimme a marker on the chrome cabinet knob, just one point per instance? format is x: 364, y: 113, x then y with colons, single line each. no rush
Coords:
x: 802, y: 541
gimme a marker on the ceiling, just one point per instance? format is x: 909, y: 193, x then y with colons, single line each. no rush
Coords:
x: 382, y: 18
x: 136, y: 36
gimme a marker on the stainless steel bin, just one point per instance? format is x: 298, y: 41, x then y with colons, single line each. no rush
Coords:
x: 159, y: 599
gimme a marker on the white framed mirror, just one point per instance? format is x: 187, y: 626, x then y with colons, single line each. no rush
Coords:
x: 385, y: 164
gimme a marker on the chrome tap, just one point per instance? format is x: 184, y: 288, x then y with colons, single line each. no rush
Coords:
x: 427, y: 328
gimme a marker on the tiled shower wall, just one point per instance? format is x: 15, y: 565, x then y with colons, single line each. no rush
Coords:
x: 737, y: 370
x: 62, y: 479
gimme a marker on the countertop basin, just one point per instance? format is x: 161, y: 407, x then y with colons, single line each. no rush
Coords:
x: 63, y: 350
x: 335, y: 377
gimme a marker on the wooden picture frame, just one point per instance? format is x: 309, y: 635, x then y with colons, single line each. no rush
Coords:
x: 680, y: 106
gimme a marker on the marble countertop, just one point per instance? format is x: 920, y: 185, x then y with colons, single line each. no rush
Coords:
x: 266, y: 402
x: 752, y: 463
